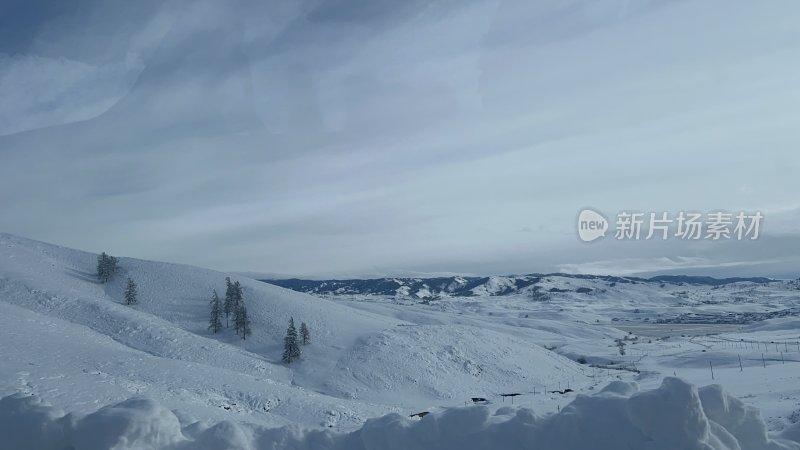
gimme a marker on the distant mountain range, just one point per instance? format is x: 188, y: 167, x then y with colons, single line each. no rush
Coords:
x: 463, y: 286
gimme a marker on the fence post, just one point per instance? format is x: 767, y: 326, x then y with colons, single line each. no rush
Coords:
x: 741, y: 369
x: 712, y: 369
x: 763, y: 361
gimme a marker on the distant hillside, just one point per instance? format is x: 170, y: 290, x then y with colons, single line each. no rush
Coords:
x: 460, y: 286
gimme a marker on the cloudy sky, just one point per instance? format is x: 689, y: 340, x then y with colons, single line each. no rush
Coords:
x: 377, y: 137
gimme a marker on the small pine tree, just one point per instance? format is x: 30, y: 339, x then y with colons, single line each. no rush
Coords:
x: 305, y: 335
x: 106, y: 267
x: 215, y: 322
x: 101, y: 267
x: 238, y: 294
x: 237, y: 319
x: 245, y: 322
x: 239, y: 310
x: 229, y: 301
x: 130, y: 292
x: 112, y: 266
x: 291, y: 348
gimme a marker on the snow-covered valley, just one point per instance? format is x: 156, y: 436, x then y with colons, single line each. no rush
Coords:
x: 538, y: 361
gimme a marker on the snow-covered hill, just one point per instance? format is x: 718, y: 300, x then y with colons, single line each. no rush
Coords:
x: 72, y: 340
x: 73, y: 343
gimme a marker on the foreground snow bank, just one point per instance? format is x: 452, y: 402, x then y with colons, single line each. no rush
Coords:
x: 675, y: 416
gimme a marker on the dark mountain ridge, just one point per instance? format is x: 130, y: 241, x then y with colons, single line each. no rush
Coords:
x: 469, y: 286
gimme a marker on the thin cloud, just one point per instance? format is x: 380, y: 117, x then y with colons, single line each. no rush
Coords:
x: 343, y: 137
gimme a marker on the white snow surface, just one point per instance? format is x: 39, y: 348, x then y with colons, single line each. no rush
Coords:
x: 677, y: 415
x: 70, y: 339
x: 81, y: 370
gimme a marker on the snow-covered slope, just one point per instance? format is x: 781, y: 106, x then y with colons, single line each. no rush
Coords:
x: 360, y: 363
x: 451, y: 362
x: 173, y: 304
x: 176, y: 358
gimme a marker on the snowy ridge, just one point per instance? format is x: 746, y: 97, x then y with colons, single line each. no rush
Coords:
x: 462, y: 286
x: 677, y: 415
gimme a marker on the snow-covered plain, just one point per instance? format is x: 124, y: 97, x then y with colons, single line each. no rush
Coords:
x: 152, y: 376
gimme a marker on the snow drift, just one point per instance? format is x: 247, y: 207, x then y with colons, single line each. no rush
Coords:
x: 676, y: 415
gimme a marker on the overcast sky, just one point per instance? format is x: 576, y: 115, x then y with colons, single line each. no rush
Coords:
x: 379, y: 137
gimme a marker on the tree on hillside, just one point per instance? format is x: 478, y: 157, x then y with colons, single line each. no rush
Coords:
x: 291, y: 348
x: 237, y: 319
x: 239, y: 310
x: 229, y: 300
x: 305, y: 335
x: 215, y: 322
x: 131, y: 292
x: 102, y: 264
x: 243, y: 321
x: 238, y: 294
x: 106, y: 267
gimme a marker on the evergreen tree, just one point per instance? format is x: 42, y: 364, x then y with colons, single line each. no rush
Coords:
x: 239, y: 310
x: 215, y: 322
x: 130, y: 292
x: 305, y: 335
x: 237, y: 319
x: 106, y: 267
x: 112, y: 266
x: 229, y: 300
x: 101, y: 267
x: 241, y: 323
x: 291, y: 348
x: 238, y: 294
x: 245, y: 322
